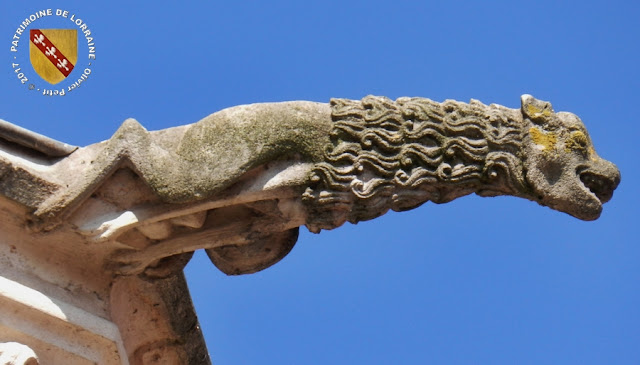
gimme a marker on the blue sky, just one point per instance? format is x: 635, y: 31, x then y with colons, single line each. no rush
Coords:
x: 475, y: 281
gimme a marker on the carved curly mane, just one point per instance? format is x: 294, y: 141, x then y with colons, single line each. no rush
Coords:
x: 398, y: 155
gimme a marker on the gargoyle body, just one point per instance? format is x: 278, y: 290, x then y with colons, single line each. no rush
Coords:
x: 303, y: 163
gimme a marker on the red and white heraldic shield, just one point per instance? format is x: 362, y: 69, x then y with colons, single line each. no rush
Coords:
x: 53, y: 53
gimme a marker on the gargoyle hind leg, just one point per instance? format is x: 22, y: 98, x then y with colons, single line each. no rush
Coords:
x: 273, y: 239
x: 131, y: 138
x: 232, y: 259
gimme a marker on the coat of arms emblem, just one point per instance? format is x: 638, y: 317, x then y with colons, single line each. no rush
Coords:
x: 53, y: 53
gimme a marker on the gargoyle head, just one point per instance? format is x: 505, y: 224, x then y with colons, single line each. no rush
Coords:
x: 562, y: 166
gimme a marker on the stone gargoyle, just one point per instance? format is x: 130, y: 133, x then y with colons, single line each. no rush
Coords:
x: 240, y: 182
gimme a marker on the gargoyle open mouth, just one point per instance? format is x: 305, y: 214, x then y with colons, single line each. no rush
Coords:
x: 601, y: 186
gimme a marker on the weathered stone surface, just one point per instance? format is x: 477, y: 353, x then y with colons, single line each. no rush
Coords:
x: 239, y: 184
x: 398, y: 155
x: 274, y: 167
x: 176, y: 337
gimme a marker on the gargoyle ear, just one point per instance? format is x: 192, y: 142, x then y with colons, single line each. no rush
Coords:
x: 537, y: 111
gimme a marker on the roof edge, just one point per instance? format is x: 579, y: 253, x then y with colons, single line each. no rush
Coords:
x: 33, y: 140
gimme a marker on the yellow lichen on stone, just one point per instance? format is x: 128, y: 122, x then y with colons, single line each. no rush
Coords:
x: 546, y: 140
x: 536, y: 111
x: 578, y: 142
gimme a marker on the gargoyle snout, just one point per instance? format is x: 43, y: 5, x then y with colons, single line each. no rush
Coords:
x: 601, y: 178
